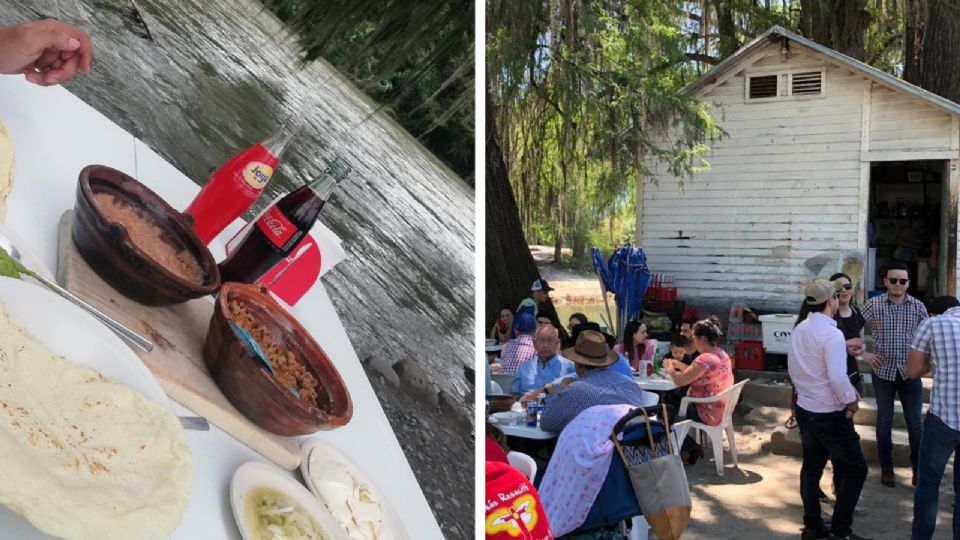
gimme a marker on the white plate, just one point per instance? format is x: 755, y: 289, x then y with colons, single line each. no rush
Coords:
x: 78, y: 336
x: 508, y: 418
x: 392, y: 525
x: 253, y: 475
x: 27, y: 256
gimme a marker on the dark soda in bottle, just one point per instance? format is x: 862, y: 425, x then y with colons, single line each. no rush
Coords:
x: 278, y: 230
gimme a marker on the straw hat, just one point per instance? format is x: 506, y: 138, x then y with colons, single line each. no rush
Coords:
x: 591, y: 349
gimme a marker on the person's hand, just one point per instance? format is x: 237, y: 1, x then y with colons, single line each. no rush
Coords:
x: 47, y: 52
x: 530, y: 395
x: 852, y: 409
x: 855, y: 346
x: 873, y: 359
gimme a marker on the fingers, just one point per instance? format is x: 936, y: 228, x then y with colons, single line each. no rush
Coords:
x: 61, y: 51
x: 61, y: 71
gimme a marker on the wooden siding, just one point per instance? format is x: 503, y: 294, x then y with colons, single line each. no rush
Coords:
x: 901, y: 122
x: 784, y: 186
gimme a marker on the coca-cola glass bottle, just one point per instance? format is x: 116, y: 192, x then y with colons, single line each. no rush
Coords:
x: 279, y: 229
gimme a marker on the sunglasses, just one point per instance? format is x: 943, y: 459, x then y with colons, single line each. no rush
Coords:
x: 901, y: 281
x: 847, y: 287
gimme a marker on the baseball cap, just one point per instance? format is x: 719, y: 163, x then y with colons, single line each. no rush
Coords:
x: 819, y: 291
x: 525, y: 323
x: 541, y: 285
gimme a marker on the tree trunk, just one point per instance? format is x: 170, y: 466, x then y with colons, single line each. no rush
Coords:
x: 838, y: 25
x: 913, y: 24
x: 510, y: 268
x: 727, y: 28
x: 940, y: 72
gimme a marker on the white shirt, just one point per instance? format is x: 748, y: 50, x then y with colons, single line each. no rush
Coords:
x: 817, y: 362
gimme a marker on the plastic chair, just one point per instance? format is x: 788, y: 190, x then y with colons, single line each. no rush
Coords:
x: 523, y: 463
x: 732, y: 396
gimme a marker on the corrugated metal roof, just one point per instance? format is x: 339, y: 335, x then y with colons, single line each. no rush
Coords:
x: 777, y: 32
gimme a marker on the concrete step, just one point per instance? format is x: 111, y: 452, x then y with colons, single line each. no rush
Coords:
x: 868, y: 390
x: 867, y: 414
x: 765, y: 388
x: 786, y: 442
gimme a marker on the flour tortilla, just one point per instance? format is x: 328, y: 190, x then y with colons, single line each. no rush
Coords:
x: 6, y: 168
x: 82, y: 457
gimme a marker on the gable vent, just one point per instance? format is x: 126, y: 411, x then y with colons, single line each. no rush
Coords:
x: 806, y: 84
x: 763, y: 86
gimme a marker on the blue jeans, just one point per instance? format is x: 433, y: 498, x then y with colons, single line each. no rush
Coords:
x: 910, y: 392
x: 830, y: 436
x: 938, y: 443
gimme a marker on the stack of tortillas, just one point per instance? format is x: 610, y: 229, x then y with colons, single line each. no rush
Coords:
x: 6, y: 168
x: 83, y: 457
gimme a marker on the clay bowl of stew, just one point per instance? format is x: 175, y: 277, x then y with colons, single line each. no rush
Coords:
x: 321, y: 402
x: 137, y: 243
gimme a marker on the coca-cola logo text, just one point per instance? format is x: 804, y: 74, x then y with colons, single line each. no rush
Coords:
x: 275, y: 225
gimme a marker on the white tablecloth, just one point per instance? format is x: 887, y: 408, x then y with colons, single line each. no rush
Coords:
x: 55, y: 135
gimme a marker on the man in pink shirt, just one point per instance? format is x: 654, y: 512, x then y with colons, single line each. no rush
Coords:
x: 826, y: 402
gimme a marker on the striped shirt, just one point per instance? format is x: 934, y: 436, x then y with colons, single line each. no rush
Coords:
x: 894, y: 326
x: 939, y: 337
x: 599, y: 386
x: 516, y: 352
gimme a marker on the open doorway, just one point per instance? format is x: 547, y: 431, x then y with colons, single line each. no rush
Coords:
x: 906, y: 221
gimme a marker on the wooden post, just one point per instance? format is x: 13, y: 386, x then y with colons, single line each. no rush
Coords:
x: 863, y: 215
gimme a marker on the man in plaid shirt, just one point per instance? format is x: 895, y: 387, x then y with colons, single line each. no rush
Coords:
x: 895, y: 317
x: 936, y: 347
x: 519, y: 349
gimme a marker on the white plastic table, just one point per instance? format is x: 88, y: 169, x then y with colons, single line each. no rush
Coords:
x: 655, y: 384
x: 527, y: 432
x: 55, y: 135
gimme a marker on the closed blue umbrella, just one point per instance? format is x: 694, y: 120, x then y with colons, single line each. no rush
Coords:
x: 627, y: 275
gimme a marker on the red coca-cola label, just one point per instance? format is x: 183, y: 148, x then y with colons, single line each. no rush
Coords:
x: 276, y: 226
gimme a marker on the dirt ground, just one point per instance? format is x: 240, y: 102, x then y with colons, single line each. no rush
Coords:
x: 761, y: 499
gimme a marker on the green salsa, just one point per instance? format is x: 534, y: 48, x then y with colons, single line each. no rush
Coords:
x: 271, y: 515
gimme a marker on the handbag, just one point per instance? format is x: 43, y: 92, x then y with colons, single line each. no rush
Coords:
x: 659, y: 484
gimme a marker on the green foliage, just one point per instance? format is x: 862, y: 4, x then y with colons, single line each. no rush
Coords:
x: 415, y: 58
x: 587, y: 97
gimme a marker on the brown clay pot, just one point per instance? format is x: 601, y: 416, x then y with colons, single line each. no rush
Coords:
x: 247, y: 382
x: 501, y: 403
x: 107, y: 248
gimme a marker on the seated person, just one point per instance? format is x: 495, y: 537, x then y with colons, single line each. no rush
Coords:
x: 501, y: 329
x: 596, y: 384
x: 513, y: 510
x: 520, y: 348
x: 635, y: 345
x: 709, y: 374
x: 545, y: 367
x: 680, y: 347
x: 576, y: 319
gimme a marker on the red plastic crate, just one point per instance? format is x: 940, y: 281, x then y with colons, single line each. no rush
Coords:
x: 750, y: 355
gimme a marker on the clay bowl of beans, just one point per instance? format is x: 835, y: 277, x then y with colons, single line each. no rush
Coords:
x: 300, y: 392
x: 138, y: 243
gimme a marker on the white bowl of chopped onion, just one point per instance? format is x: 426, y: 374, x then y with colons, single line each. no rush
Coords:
x: 269, y: 504
x: 349, y: 493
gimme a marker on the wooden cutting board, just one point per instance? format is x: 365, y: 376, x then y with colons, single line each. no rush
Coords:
x: 178, y: 333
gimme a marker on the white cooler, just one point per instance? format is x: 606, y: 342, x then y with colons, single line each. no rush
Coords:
x: 776, y: 331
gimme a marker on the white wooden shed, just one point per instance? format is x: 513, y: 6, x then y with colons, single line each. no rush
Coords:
x: 814, y: 141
